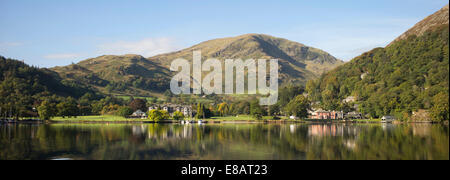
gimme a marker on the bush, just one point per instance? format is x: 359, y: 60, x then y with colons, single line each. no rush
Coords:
x: 158, y: 115
x: 124, y: 111
x: 276, y: 118
x: 256, y: 110
x: 178, y: 116
x: 46, y: 111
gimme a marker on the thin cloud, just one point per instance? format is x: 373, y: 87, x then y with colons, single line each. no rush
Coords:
x: 10, y: 44
x: 62, y: 56
x: 146, y: 47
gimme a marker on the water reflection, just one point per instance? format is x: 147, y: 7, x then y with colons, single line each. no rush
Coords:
x: 320, y: 130
x: 422, y: 130
x: 224, y: 141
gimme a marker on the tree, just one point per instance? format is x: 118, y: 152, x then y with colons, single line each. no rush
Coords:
x: 158, y: 115
x: 440, y: 110
x: 345, y: 107
x: 68, y: 108
x: 46, y: 110
x: 168, y: 94
x: 313, y: 90
x: 97, y: 107
x: 298, y: 107
x: 87, y: 97
x: 85, y: 104
x: 200, y: 111
x: 203, y: 112
x: 138, y: 104
x: 223, y: 109
x: 274, y: 110
x: 242, y: 107
x: 256, y: 110
x: 124, y: 111
x: 178, y: 116
x: 288, y: 93
x: 109, y: 88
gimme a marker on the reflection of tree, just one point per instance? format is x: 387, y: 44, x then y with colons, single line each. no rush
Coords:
x: 224, y: 141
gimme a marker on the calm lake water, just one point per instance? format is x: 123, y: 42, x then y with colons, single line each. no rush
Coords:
x: 224, y: 141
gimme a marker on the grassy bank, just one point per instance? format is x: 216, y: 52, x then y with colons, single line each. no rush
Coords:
x: 111, y: 118
x: 104, y: 118
x: 238, y: 118
x: 367, y: 120
x: 250, y: 118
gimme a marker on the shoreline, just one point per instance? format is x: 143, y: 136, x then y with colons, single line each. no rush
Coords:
x: 215, y: 121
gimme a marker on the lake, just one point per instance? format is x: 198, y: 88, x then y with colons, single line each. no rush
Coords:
x: 224, y: 141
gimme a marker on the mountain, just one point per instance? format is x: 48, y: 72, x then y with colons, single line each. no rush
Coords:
x: 298, y: 63
x: 409, y: 74
x: 31, y: 80
x: 136, y: 75
x: 129, y: 74
x: 432, y: 21
x: 22, y: 86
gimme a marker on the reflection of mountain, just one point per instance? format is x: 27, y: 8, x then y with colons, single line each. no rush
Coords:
x: 222, y: 141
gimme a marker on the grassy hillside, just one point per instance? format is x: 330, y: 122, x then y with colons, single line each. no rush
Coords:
x: 23, y: 86
x: 298, y: 63
x: 128, y: 74
x: 136, y: 75
x: 408, y: 75
x: 430, y: 22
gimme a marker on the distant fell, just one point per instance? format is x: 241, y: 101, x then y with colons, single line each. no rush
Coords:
x: 135, y: 75
x: 298, y: 62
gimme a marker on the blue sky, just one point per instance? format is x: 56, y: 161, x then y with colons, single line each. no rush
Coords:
x: 49, y: 33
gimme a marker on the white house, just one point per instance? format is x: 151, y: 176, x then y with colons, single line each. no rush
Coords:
x: 171, y: 108
x: 139, y: 114
x: 388, y: 119
x: 349, y: 99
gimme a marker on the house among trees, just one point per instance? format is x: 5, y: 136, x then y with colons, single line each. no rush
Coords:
x: 349, y: 99
x: 388, y: 119
x: 328, y: 115
x: 333, y: 115
x: 139, y: 114
x: 421, y: 115
x: 354, y: 115
x: 172, y: 108
x: 153, y: 108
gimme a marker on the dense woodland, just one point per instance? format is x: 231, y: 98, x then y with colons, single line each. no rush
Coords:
x: 398, y: 80
x: 23, y: 87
